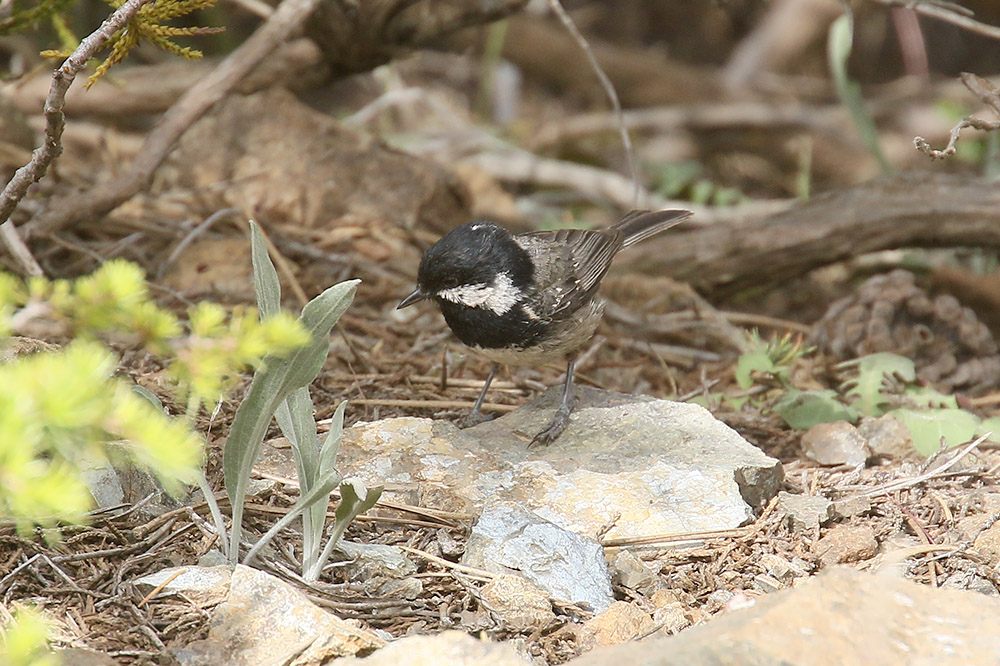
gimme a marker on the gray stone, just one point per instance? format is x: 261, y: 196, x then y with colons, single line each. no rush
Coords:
x: 213, y: 558
x: 967, y: 580
x: 644, y: 466
x: 508, y: 538
x: 376, y: 559
x: 449, y: 648
x: 841, y: 618
x: 837, y: 443
x: 850, y: 507
x: 382, y: 570
x: 782, y: 570
x: 102, y: 480
x: 804, y: 512
x: 266, y: 621
x: 83, y: 657
x: 204, y: 585
x: 629, y: 571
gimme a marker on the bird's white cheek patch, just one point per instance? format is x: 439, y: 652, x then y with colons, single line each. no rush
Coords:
x: 499, y: 297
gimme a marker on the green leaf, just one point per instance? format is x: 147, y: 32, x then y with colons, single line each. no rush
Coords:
x: 804, y: 409
x: 319, y: 491
x: 295, y: 418
x: 873, y: 370
x: 355, y: 499
x: 750, y: 362
x: 331, y: 445
x: 272, y: 383
x: 925, y: 396
x: 148, y: 395
x: 265, y: 277
x: 929, y: 426
x: 990, y: 425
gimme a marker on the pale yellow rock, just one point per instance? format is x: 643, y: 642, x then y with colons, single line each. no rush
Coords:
x: 265, y: 621
x: 520, y: 604
x: 621, y: 622
x: 840, y: 618
x: 450, y: 648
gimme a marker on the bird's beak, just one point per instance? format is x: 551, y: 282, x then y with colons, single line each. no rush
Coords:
x: 416, y: 296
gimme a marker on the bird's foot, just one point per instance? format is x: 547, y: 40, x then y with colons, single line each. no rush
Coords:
x: 554, y: 429
x: 474, y: 418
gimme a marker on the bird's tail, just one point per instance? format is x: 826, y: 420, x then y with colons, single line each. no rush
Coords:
x: 639, y: 225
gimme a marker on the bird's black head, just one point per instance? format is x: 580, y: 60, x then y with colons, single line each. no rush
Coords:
x: 477, y: 264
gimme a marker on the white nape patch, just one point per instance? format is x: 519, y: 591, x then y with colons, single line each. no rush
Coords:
x: 499, y: 297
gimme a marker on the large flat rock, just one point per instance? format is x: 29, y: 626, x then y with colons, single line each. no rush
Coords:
x: 648, y: 466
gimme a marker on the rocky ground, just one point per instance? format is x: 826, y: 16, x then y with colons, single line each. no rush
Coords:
x: 655, y: 530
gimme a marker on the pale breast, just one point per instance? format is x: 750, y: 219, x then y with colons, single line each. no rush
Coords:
x: 563, y: 339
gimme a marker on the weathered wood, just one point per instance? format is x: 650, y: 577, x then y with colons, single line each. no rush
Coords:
x: 905, y: 210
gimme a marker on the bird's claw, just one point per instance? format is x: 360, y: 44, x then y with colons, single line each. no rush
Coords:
x: 554, y: 429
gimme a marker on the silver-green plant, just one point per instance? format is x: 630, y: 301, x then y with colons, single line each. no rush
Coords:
x: 280, y: 389
x: 840, y: 42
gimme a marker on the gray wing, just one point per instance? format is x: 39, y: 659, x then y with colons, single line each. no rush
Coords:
x: 569, y: 265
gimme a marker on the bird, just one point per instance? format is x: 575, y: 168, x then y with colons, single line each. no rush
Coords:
x: 528, y: 298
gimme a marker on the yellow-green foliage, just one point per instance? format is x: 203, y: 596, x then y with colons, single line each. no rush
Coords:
x: 147, y: 25
x: 59, y: 409
x: 24, y: 641
x: 27, y: 15
x: 64, y: 408
x: 209, y: 361
x: 114, y: 301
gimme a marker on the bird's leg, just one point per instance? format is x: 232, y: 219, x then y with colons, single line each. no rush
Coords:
x: 476, y: 416
x: 561, y: 418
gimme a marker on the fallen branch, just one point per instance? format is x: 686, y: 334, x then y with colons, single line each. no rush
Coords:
x: 520, y: 166
x: 905, y: 210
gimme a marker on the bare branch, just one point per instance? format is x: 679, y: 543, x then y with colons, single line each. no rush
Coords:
x: 55, y: 122
x: 18, y: 250
x: 201, y: 97
x: 924, y: 146
x: 989, y: 95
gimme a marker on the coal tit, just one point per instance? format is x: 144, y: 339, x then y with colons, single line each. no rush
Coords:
x: 529, y: 298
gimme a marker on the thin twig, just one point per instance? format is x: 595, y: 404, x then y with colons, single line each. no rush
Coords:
x: 929, y: 474
x: 988, y: 94
x: 469, y: 571
x: 159, y: 588
x: 17, y: 248
x: 950, y: 13
x: 192, y: 235
x: 431, y: 404
x: 609, y: 90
